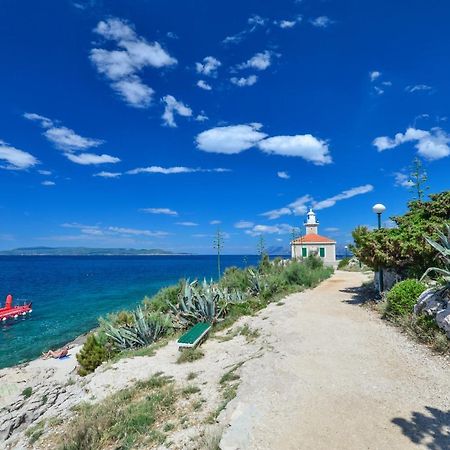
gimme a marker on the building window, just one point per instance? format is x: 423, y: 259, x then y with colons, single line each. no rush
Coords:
x: 304, y: 252
x: 322, y: 252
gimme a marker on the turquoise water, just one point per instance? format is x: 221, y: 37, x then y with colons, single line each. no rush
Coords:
x: 70, y: 293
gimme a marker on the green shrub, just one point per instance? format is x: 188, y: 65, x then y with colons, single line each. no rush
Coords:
x: 27, y: 392
x: 235, y: 279
x: 162, y: 300
x: 264, y: 265
x: 93, y: 353
x: 275, y: 283
x: 343, y: 263
x: 313, y: 262
x: 403, y: 296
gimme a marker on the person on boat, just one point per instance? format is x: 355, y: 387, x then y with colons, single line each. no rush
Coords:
x: 57, y: 354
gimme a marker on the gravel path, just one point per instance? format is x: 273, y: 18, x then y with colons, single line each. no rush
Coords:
x: 338, y: 378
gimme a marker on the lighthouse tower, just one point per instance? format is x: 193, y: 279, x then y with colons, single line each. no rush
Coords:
x: 311, y: 224
x: 313, y: 244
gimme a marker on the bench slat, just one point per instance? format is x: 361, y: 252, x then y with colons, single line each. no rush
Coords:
x: 194, y: 335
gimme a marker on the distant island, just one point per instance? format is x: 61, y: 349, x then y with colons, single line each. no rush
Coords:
x: 83, y: 251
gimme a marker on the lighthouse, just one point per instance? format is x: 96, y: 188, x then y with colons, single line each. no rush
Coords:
x: 312, y: 243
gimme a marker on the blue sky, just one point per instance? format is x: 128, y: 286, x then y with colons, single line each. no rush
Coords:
x: 146, y: 123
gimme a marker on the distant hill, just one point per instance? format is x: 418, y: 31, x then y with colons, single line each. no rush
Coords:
x: 82, y: 251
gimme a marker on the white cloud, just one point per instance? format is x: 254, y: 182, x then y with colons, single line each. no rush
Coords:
x: 48, y: 183
x: 305, y: 146
x: 173, y: 106
x: 299, y: 207
x: 201, y: 117
x: 204, y: 85
x: 284, y: 24
x: 276, y: 213
x: 260, y: 61
x: 173, y: 170
x: 215, y: 222
x: 418, y: 88
x: 237, y: 138
x: 378, y: 90
x: 15, y: 159
x: 258, y: 230
x: 254, y: 23
x: 62, y: 137
x: 136, y: 232
x: 243, y: 224
x: 374, y: 75
x: 329, y: 202
x: 86, y: 159
x: 230, y: 139
x: 187, y: 224
x: 104, y: 174
x: 134, y: 91
x: 244, y: 81
x: 432, y: 145
x: 208, y: 67
x: 402, y: 180
x: 121, y: 66
x: 99, y: 231
x: 283, y: 175
x: 411, y: 134
x: 44, y: 172
x: 321, y: 22
x: 163, y: 211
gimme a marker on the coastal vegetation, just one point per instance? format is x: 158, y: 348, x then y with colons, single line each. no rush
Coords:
x: 404, y: 248
x: 238, y: 292
x: 133, y: 417
x: 416, y: 254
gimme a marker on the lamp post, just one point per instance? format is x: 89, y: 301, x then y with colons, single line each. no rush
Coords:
x: 346, y: 248
x: 379, y: 209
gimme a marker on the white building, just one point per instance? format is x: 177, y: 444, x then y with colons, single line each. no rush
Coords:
x: 314, y: 244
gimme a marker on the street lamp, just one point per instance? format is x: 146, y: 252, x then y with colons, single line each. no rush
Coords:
x: 379, y: 209
x: 346, y: 248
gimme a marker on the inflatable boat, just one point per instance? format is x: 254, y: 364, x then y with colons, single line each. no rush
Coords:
x: 13, y: 312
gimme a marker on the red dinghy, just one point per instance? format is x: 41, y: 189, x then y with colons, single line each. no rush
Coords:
x: 13, y: 312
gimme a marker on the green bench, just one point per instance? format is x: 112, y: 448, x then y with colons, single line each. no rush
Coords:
x: 194, y: 336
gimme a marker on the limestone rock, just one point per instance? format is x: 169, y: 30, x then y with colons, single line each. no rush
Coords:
x: 443, y: 320
x: 430, y: 302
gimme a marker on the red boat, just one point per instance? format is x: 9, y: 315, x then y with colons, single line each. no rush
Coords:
x: 13, y: 312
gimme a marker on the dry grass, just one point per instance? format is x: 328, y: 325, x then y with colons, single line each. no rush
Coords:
x: 133, y: 417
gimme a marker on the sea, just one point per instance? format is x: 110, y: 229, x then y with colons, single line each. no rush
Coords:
x: 70, y: 293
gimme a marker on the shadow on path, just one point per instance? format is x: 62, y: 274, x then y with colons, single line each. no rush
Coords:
x: 432, y: 431
x: 360, y: 295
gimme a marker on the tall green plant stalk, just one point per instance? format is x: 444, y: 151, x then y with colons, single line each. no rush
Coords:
x: 218, y: 245
x: 418, y: 179
x: 261, y: 247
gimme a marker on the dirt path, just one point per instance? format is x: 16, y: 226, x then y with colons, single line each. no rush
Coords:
x: 338, y: 378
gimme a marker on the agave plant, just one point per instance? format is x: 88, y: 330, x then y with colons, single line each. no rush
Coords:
x: 258, y: 282
x: 443, y: 247
x: 204, y: 302
x: 144, y: 330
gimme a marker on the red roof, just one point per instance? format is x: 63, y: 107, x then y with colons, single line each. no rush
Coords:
x: 313, y: 239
